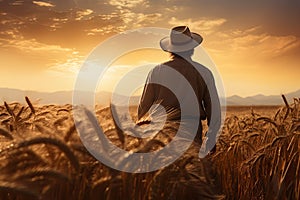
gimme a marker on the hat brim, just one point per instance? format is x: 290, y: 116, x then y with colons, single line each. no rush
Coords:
x: 166, y: 44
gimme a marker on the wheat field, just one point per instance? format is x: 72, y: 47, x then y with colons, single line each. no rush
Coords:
x: 42, y: 157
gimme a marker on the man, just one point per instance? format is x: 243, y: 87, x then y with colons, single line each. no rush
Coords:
x: 180, y: 45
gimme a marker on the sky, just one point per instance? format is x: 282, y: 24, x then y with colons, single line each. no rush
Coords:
x: 255, y: 45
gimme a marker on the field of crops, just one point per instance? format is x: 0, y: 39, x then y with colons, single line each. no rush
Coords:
x: 42, y: 157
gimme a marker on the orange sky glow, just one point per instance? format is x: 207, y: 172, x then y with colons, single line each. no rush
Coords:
x: 255, y: 46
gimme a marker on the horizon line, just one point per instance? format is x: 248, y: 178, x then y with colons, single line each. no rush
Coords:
x: 57, y: 91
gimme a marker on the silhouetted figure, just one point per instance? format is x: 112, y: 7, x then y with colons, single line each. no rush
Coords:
x: 180, y: 45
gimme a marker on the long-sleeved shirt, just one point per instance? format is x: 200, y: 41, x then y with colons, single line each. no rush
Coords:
x: 200, y: 79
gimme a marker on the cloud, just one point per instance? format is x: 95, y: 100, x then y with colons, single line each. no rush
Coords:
x: 64, y: 5
x: 54, y: 59
x: 108, y: 16
x: 202, y: 25
x: 48, y: 25
x: 102, y: 31
x: 135, y: 13
x: 41, y: 3
x: 30, y: 45
x: 60, y: 19
x: 132, y: 20
x: 265, y: 44
x: 39, y: 56
x: 83, y: 13
x: 34, y: 46
x: 251, y: 61
x: 68, y: 67
x: 17, y: 3
x: 120, y: 4
x: 77, y: 27
x: 244, y: 44
x: 135, y: 20
x: 278, y: 17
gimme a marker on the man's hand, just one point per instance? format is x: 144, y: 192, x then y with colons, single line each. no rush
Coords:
x: 208, y: 147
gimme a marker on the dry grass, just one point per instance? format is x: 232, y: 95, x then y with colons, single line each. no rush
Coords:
x: 258, y: 157
x: 42, y: 157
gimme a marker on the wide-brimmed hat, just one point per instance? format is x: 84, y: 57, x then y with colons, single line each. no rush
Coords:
x: 181, y: 39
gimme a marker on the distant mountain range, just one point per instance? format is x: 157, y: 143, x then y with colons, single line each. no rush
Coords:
x: 103, y: 98
x: 60, y: 97
x: 262, y: 99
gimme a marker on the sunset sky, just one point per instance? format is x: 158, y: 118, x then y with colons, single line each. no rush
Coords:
x: 254, y: 44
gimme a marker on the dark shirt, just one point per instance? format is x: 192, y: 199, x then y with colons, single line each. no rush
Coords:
x: 202, y: 84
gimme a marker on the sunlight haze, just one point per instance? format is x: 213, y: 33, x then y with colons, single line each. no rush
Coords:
x: 254, y: 45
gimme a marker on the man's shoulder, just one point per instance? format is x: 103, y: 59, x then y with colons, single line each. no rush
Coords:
x: 162, y: 65
x: 201, y: 68
x: 199, y: 65
x: 177, y: 63
x: 173, y: 63
x: 166, y: 63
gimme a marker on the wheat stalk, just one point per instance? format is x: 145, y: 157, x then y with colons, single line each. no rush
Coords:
x: 30, y: 105
x: 13, y: 189
x: 6, y: 134
x: 56, y: 142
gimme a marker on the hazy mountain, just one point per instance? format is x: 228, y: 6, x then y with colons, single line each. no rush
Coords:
x: 262, y: 99
x: 64, y: 97
x: 60, y: 97
x: 14, y: 95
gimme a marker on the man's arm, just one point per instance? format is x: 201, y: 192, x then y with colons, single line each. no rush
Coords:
x: 147, y: 98
x: 212, y: 107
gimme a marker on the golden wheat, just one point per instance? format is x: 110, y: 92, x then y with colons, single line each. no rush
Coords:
x: 42, y: 157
